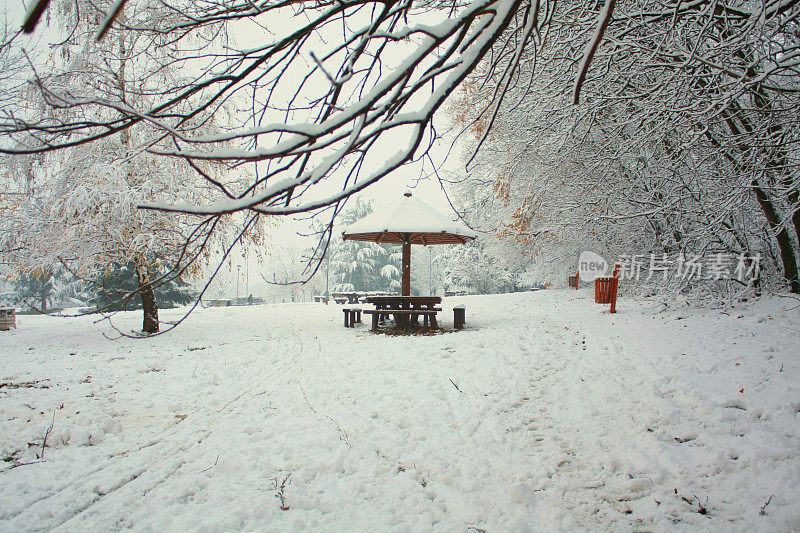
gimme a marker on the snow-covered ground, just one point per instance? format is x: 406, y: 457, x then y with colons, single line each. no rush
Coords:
x: 546, y: 413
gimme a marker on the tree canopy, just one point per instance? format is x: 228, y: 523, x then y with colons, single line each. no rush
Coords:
x: 666, y: 124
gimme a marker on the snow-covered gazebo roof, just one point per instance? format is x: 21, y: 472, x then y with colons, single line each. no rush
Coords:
x: 412, y: 219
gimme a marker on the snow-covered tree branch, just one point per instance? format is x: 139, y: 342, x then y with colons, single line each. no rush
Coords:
x: 329, y: 96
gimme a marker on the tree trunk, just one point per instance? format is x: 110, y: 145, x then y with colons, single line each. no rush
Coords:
x: 149, y: 306
x: 779, y: 160
x: 148, y: 295
x: 770, y: 211
x: 784, y: 242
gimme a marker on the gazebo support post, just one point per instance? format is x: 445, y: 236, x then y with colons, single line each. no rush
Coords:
x: 408, y: 221
x: 406, y: 265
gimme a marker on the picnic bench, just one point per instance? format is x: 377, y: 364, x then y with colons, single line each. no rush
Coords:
x: 8, y: 318
x: 455, y: 293
x: 346, y: 297
x: 605, y: 289
x: 405, y: 309
x: 403, y: 318
x: 352, y: 316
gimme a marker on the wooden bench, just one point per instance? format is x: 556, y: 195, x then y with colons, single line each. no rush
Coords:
x: 352, y: 316
x: 8, y: 318
x: 427, y: 314
x: 574, y: 280
x: 459, y: 316
x: 605, y: 289
x: 390, y: 311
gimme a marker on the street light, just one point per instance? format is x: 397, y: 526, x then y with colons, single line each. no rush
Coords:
x: 238, y: 275
x: 430, y: 271
x: 327, y: 276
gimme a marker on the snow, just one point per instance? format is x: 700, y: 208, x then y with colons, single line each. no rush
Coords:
x: 545, y: 413
x: 409, y: 215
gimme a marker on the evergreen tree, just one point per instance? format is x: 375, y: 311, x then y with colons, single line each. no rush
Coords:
x: 35, y: 289
x: 363, y: 266
x: 117, y: 288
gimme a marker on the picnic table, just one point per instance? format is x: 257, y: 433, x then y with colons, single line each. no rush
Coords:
x: 8, y: 318
x: 406, y: 309
x: 346, y: 297
x: 353, y: 297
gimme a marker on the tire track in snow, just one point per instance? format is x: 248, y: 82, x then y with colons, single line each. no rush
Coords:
x: 127, y: 469
x: 304, y: 380
x: 392, y: 439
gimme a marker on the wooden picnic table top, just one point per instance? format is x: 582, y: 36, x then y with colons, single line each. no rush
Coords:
x: 402, y: 301
x: 353, y: 297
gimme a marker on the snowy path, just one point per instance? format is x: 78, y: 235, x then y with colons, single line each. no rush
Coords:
x: 544, y: 413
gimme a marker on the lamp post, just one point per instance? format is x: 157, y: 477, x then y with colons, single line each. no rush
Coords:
x: 327, y: 276
x: 430, y: 271
x: 238, y: 275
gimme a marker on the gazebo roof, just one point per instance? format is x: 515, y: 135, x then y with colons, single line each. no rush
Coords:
x: 412, y: 217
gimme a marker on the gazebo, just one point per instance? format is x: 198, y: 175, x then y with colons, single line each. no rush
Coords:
x: 409, y: 221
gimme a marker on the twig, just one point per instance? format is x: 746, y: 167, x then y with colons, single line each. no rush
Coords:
x: 602, y: 23
x: 212, y: 466
x: 456, y: 386
x: 25, y: 385
x: 763, y: 510
x: 44, y: 441
x: 702, y: 509
x: 280, y: 488
x: 15, y: 465
x: 342, y: 433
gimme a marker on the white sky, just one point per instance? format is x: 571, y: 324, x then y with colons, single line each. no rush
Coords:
x: 15, y: 9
